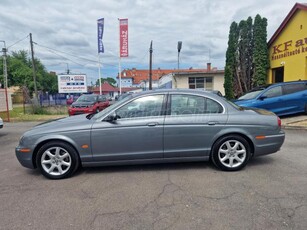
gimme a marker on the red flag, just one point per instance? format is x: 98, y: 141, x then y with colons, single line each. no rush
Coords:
x: 123, y: 37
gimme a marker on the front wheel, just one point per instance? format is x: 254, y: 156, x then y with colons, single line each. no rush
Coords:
x: 57, y: 160
x: 231, y: 153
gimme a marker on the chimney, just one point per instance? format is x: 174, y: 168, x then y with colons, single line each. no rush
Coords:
x: 208, y: 66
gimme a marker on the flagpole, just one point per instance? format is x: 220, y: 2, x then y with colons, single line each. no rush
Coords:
x: 119, y: 62
x: 99, y: 74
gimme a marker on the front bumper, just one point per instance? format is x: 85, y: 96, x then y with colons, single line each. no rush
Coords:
x: 76, y: 111
x: 25, y: 158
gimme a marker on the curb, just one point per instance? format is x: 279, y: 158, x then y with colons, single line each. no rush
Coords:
x: 293, y: 127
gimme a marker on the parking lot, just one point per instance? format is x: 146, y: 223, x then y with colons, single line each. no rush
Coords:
x: 270, y: 193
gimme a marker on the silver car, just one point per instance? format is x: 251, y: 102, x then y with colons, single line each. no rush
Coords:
x: 153, y: 127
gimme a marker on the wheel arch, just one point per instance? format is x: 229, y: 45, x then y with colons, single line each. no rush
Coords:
x: 43, y: 142
x: 248, y: 139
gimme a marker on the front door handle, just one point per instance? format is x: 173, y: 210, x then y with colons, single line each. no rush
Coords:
x: 211, y: 123
x: 152, y: 124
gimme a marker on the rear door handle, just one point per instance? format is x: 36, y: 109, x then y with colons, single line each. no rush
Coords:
x: 211, y: 123
x: 152, y: 124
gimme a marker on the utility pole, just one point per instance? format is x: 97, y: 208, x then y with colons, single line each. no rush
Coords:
x: 5, y: 79
x: 179, y: 45
x: 33, y: 67
x: 150, y: 66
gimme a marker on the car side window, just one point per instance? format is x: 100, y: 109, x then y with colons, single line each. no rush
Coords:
x: 188, y: 104
x: 273, y: 92
x: 293, y: 88
x: 102, y: 98
x: 147, y: 106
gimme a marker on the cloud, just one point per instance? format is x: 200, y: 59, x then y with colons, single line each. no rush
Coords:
x: 70, y: 26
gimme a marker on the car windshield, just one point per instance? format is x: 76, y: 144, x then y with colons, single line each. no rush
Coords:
x: 250, y: 95
x: 87, y: 98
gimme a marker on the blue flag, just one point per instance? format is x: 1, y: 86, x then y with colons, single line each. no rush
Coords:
x: 100, y: 25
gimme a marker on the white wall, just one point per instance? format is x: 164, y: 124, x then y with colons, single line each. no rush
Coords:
x: 3, y: 100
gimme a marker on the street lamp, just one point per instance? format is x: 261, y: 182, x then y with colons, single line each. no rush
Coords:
x: 5, y: 79
x: 179, y: 45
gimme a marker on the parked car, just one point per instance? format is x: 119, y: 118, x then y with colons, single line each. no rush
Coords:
x: 281, y: 98
x: 71, y: 99
x: 88, y: 103
x: 1, y: 123
x: 122, y: 96
x: 153, y: 127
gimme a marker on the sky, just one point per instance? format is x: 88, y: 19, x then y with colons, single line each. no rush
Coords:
x: 65, y: 32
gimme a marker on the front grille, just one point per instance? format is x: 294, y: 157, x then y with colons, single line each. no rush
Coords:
x: 80, y: 106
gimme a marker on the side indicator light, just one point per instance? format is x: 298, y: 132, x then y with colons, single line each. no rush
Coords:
x: 84, y: 146
x: 25, y: 150
x: 260, y: 137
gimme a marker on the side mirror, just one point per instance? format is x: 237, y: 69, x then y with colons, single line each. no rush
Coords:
x: 261, y: 98
x: 111, y: 118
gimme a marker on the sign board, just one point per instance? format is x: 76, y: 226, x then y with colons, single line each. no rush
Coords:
x: 72, y: 83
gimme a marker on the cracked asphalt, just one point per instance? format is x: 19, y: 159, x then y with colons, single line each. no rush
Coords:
x: 270, y: 193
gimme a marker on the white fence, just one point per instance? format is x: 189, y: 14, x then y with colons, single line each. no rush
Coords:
x: 3, y: 100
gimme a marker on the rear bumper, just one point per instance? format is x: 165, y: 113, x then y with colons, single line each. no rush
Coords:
x: 270, y: 144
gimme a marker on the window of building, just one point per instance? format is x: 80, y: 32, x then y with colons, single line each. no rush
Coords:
x: 201, y: 83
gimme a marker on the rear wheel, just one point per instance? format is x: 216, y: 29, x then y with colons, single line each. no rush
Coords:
x: 231, y: 153
x: 57, y: 160
x: 305, y: 108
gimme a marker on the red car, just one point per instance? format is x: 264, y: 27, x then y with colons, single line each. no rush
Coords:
x: 88, y: 103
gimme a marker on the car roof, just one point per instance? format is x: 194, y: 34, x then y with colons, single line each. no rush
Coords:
x: 185, y: 91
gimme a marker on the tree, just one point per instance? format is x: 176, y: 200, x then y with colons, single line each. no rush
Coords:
x: 260, y: 52
x: 230, y: 61
x: 246, y: 57
x: 110, y: 80
x: 20, y: 73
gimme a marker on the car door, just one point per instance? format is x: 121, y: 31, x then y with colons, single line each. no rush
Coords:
x: 272, y: 99
x: 136, y: 134
x: 191, y: 124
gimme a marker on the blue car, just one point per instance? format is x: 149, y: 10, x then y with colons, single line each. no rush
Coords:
x: 281, y: 98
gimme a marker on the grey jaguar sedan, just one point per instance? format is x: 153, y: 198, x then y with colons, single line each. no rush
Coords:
x: 153, y: 127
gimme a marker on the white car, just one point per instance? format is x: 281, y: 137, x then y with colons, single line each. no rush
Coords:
x: 1, y: 123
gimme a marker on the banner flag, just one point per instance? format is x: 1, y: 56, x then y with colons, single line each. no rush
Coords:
x: 123, y: 37
x: 100, y: 25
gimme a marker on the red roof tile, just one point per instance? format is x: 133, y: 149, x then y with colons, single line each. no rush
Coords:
x: 141, y: 75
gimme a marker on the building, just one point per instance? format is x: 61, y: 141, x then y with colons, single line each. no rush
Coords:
x: 111, y: 91
x: 207, y: 79
x: 140, y: 78
x: 288, y: 47
x: 210, y: 78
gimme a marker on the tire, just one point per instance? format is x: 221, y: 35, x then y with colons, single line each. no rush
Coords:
x: 231, y: 153
x: 305, y: 109
x: 57, y: 160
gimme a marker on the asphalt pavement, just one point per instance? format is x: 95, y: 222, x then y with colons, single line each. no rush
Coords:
x: 270, y: 193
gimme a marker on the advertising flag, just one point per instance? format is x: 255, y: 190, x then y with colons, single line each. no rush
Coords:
x: 123, y: 37
x: 100, y: 25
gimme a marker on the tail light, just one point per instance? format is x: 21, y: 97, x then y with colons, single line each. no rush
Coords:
x: 279, y: 122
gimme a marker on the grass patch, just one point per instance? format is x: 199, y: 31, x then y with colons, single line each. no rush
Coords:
x: 38, y: 113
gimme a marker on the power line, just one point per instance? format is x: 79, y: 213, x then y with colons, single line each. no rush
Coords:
x: 18, y: 41
x: 73, y: 55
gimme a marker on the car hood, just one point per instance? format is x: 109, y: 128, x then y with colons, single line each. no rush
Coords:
x: 243, y: 102
x: 67, y: 124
